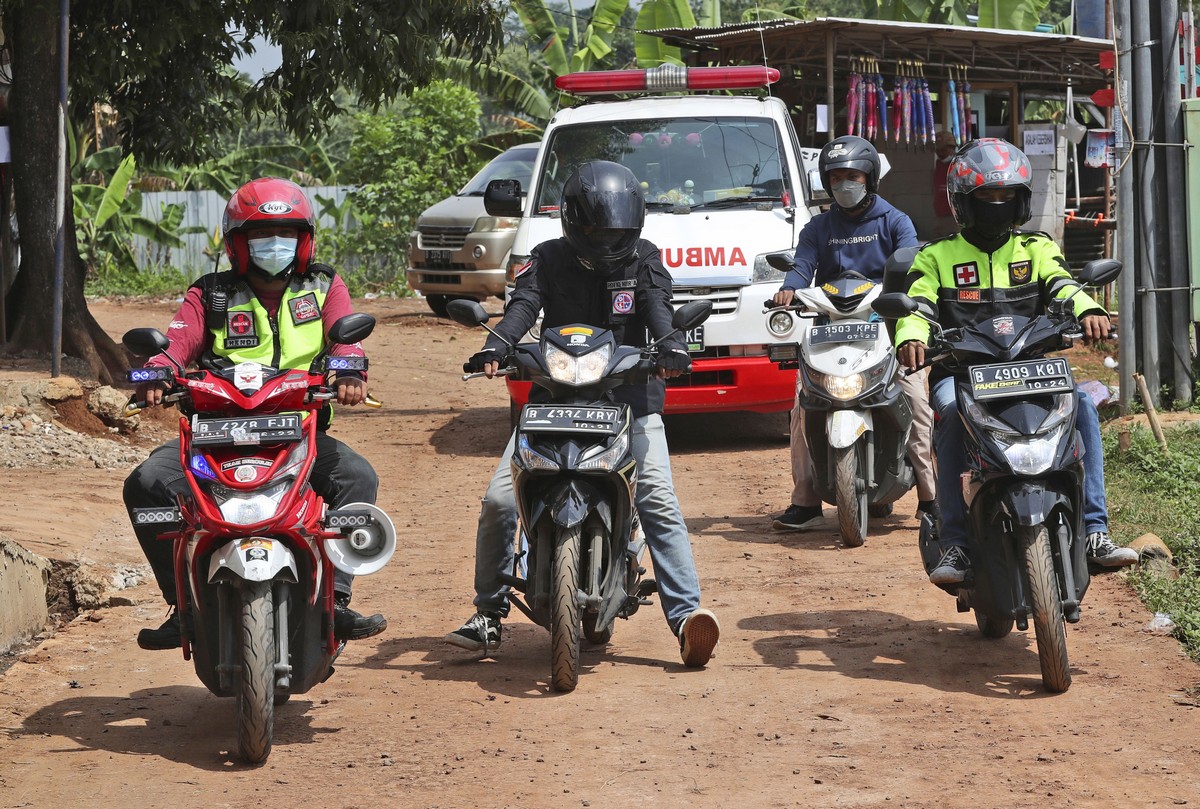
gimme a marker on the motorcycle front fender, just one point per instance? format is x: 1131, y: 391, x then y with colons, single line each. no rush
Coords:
x: 572, y: 502
x: 1030, y: 503
x: 845, y: 427
x: 252, y: 559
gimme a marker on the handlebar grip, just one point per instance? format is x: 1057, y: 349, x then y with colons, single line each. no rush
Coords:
x: 500, y: 372
x: 133, y: 407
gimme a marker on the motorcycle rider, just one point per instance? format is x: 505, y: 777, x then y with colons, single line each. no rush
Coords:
x: 274, y: 301
x: 990, y: 268
x: 601, y: 272
x: 859, y: 232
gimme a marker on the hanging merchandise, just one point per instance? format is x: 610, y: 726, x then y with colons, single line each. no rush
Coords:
x: 964, y: 108
x: 918, y: 107
x: 862, y: 108
x: 852, y: 101
x: 927, y: 136
x: 869, y: 82
x: 897, y: 105
x: 907, y: 97
x: 953, y: 99
x: 881, y: 92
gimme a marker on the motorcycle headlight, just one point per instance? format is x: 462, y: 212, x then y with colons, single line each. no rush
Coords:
x: 1032, y: 456
x: 582, y: 370
x: 993, y: 425
x: 532, y: 459
x: 839, y: 387
x: 602, y: 459
x: 1063, y: 409
x: 246, y: 508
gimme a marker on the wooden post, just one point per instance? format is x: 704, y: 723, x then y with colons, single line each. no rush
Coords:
x: 1151, y: 413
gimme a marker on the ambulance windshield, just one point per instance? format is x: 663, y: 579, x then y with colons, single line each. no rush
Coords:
x: 681, y: 162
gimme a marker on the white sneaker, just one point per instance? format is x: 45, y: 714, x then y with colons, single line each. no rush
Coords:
x: 698, y: 637
x: 1102, y: 551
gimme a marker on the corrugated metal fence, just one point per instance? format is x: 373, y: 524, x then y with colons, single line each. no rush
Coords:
x: 205, y: 208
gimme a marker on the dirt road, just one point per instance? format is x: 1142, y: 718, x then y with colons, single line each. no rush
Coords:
x: 843, y: 677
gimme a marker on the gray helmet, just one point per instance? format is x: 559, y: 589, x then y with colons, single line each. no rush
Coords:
x: 850, y: 152
x: 988, y: 163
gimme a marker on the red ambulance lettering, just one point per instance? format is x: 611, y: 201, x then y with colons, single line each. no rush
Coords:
x: 702, y: 256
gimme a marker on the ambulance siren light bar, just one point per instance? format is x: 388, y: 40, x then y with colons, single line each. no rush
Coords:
x: 666, y: 79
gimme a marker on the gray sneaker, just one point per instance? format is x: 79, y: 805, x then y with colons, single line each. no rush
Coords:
x: 1102, y: 551
x: 481, y: 632
x: 952, y: 568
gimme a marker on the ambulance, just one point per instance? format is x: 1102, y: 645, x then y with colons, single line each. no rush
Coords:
x: 725, y: 184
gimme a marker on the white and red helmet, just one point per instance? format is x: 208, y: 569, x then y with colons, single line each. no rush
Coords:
x: 264, y: 203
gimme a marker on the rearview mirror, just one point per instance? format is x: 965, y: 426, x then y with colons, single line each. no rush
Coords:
x: 145, y: 342
x: 780, y: 261
x: 691, y: 315
x: 894, y: 305
x: 466, y: 312
x: 503, y: 198
x: 1100, y: 271
x: 351, y: 329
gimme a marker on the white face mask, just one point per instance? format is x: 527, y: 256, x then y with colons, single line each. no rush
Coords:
x: 273, y: 254
x: 848, y: 194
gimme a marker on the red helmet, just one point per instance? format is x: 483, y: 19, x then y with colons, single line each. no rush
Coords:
x: 268, y: 202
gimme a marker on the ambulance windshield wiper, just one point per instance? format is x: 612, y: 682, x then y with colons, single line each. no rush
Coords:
x: 746, y: 199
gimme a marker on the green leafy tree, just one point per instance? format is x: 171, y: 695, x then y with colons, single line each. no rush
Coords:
x: 164, y: 68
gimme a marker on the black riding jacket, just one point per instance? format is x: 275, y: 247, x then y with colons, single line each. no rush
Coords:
x: 627, y: 301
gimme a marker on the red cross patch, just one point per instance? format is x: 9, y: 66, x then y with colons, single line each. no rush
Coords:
x: 241, y: 324
x: 966, y: 275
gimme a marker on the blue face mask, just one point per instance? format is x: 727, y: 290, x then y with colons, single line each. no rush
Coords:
x: 272, y: 254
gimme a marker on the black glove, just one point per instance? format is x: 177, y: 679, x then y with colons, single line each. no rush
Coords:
x: 674, y: 359
x: 479, y: 359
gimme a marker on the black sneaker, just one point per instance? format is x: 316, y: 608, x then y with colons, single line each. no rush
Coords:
x: 350, y: 625
x: 952, y: 568
x: 481, y: 632
x: 166, y: 636
x: 1102, y: 551
x: 799, y: 518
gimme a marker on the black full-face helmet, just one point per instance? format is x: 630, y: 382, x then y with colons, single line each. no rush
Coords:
x: 850, y: 152
x: 988, y: 163
x: 603, y: 211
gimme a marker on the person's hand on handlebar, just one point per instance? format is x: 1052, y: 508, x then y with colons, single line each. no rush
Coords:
x: 1095, y: 327
x: 350, y: 390
x: 150, y: 392
x: 673, y: 362
x: 486, y: 361
x: 912, y: 354
x: 783, y: 297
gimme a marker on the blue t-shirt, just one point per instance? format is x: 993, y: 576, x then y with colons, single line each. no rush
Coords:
x: 833, y: 243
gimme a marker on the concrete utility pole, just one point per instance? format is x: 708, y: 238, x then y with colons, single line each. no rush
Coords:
x: 1147, y: 179
x: 1176, y: 170
x: 1126, y: 228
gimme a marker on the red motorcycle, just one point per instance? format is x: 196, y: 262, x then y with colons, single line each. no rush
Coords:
x: 255, y: 546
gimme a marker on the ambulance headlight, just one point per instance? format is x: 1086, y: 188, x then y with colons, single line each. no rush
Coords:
x: 764, y: 272
x: 781, y: 323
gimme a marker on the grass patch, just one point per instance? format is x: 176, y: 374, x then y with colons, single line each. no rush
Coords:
x: 149, y: 282
x: 1149, y: 492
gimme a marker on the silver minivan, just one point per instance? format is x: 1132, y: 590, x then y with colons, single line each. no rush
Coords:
x: 457, y: 249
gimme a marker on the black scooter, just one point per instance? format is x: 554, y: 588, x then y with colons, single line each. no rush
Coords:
x: 574, y: 477
x: 1024, y: 484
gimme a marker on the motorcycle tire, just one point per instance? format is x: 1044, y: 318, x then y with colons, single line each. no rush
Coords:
x: 565, y: 612
x: 850, y: 494
x: 992, y: 625
x: 256, y: 685
x: 1046, y: 603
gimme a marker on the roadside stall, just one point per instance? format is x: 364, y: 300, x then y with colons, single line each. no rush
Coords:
x: 906, y: 86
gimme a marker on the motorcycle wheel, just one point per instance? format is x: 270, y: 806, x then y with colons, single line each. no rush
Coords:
x: 1046, y: 602
x: 851, y: 502
x: 564, y: 612
x: 992, y: 625
x: 255, y: 696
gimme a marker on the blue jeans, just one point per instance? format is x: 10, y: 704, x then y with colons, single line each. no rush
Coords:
x: 949, y: 443
x: 657, y: 506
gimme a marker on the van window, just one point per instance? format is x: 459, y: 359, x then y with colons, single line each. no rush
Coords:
x: 514, y: 164
x: 679, y: 161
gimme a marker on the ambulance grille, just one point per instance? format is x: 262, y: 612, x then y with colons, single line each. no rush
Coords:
x: 724, y: 299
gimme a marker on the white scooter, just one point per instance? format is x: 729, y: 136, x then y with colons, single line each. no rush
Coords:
x: 857, y: 417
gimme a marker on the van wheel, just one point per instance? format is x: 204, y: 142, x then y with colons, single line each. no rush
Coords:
x: 438, y: 304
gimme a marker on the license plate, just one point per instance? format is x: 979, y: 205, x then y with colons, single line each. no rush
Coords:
x: 1050, y: 375
x: 851, y: 332
x: 437, y: 258
x: 694, y: 338
x: 278, y: 428
x: 559, y: 419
